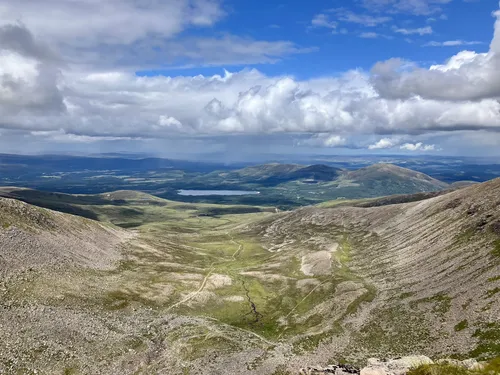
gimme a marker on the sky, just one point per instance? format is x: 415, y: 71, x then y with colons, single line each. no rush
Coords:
x: 187, y: 78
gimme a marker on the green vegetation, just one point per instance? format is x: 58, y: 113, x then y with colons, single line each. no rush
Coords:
x: 491, y: 368
x: 490, y: 293
x: 280, y: 185
x: 462, y: 325
x: 281, y: 370
x: 488, y: 335
x: 496, y: 248
x: 441, y: 303
x: 238, y: 277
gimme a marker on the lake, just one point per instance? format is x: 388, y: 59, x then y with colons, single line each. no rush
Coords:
x: 216, y: 192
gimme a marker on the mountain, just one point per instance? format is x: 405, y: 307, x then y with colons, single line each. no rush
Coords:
x: 274, y: 173
x: 196, y: 288
x: 427, y: 273
x: 394, y: 180
x: 34, y: 238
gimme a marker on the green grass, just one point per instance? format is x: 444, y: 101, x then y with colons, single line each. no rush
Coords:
x: 496, y: 249
x: 490, y: 293
x: 488, y: 336
x: 492, y: 368
x: 461, y: 325
x: 441, y: 303
x: 281, y: 370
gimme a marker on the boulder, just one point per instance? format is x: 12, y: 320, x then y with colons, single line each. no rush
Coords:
x: 397, y: 366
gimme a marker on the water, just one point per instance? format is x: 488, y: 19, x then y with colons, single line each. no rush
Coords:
x: 197, y: 193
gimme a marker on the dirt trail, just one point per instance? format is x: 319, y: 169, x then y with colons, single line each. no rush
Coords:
x: 190, y: 296
x: 240, y: 246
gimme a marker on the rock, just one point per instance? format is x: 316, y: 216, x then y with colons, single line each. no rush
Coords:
x: 470, y: 364
x: 397, y: 366
x: 373, y: 371
x: 448, y: 361
x: 344, y: 369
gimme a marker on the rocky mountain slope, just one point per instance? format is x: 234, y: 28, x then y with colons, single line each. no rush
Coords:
x: 248, y: 293
x: 35, y: 238
x: 433, y: 265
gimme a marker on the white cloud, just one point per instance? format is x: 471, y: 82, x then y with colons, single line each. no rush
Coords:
x: 90, y: 22
x: 322, y: 20
x: 384, y: 143
x: 420, y: 31
x: 367, y: 20
x: 451, y: 43
x: 139, y: 34
x: 415, y: 7
x: 368, y: 35
x: 38, y: 93
x: 466, y: 76
x: 325, y: 140
x: 29, y: 76
x: 60, y: 136
x: 417, y: 147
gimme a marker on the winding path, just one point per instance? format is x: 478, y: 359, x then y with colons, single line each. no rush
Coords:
x: 190, y: 296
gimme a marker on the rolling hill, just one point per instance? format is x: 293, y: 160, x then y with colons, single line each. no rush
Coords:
x: 275, y: 174
x: 394, y: 180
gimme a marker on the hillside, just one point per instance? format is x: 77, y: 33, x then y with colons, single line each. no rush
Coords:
x: 394, y: 180
x: 275, y: 173
x: 201, y: 289
x: 35, y: 238
x: 430, y: 271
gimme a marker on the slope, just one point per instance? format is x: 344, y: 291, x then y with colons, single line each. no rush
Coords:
x: 392, y: 179
x: 433, y: 268
x: 253, y: 293
x: 32, y: 238
x: 275, y: 173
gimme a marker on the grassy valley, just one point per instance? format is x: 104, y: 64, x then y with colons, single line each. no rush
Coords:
x: 205, y: 288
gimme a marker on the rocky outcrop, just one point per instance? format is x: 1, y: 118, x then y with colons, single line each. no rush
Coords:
x: 396, y: 366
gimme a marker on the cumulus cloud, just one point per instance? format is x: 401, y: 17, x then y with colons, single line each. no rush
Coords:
x: 90, y: 22
x: 91, y: 34
x: 384, y: 143
x: 38, y: 93
x: 467, y: 76
x: 29, y: 75
x: 417, y: 147
x: 325, y: 140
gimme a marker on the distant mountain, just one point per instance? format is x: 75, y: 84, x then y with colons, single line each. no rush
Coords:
x: 392, y: 179
x: 265, y: 171
x: 275, y: 173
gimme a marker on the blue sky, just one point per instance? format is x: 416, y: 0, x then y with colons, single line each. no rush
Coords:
x: 187, y: 77
x: 342, y: 46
